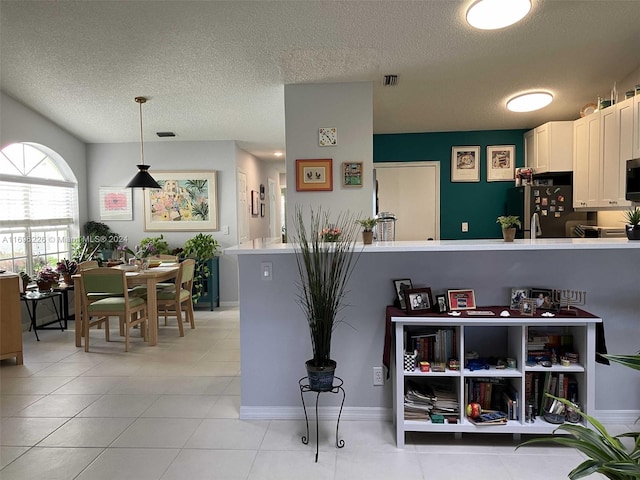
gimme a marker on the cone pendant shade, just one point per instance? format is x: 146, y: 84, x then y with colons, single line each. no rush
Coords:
x: 142, y: 179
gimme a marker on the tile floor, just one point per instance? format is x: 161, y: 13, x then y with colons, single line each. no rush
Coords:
x: 171, y: 412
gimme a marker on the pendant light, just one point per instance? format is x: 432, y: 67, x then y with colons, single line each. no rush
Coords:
x: 142, y: 179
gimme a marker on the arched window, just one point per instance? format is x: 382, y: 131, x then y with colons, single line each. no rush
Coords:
x: 38, y: 205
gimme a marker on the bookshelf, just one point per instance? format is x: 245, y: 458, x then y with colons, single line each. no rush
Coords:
x: 490, y: 336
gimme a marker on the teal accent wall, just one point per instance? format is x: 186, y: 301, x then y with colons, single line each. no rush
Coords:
x: 478, y: 203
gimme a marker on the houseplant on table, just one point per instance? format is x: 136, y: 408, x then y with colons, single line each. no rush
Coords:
x: 325, y: 266
x: 46, y: 278
x: 632, y: 228
x: 66, y: 268
x: 508, y: 224
x: 367, y: 225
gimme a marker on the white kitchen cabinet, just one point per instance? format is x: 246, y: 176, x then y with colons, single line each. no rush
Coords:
x: 549, y: 147
x: 586, y: 161
x: 498, y: 337
x: 636, y: 126
x: 603, y: 142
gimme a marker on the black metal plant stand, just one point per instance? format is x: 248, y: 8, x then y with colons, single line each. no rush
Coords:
x: 31, y: 302
x: 336, y: 388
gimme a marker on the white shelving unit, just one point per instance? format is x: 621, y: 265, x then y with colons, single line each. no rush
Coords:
x: 500, y: 337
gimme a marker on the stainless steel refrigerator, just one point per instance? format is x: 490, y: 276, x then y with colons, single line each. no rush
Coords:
x: 553, y: 205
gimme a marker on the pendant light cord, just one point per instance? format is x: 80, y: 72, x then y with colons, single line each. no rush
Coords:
x: 141, y: 139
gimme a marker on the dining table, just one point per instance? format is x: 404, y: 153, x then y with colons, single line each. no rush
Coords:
x: 149, y: 277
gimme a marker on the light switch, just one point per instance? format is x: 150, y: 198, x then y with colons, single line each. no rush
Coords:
x: 465, y: 226
x: 266, y: 270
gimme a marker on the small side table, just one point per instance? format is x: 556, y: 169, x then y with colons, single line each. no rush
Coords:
x: 31, y: 300
x: 64, y: 290
x: 336, y: 388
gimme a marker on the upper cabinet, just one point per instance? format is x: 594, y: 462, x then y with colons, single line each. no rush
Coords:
x: 603, y: 142
x: 549, y: 147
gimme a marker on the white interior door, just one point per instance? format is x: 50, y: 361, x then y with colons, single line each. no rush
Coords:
x: 411, y: 191
x: 243, y: 208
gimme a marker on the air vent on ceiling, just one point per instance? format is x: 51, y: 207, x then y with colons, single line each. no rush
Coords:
x: 390, y: 80
x: 165, y: 134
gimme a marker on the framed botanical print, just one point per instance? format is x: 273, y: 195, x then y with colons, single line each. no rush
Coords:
x: 115, y: 203
x: 500, y: 163
x: 465, y: 164
x: 186, y: 200
x: 314, y: 175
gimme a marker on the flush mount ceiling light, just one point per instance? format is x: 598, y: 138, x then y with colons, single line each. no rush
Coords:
x: 142, y: 178
x: 495, y: 14
x: 528, y: 102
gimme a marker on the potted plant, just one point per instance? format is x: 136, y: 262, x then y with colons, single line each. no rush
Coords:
x: 325, y: 268
x: 606, y: 454
x: 66, y: 268
x: 46, y: 278
x: 203, y: 247
x: 509, y: 224
x: 632, y: 216
x: 159, y: 244
x: 99, y: 239
x: 367, y: 225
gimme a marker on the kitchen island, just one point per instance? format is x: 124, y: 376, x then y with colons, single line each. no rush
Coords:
x: 275, y: 340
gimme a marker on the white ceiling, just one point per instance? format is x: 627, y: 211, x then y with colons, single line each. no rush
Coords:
x: 216, y: 70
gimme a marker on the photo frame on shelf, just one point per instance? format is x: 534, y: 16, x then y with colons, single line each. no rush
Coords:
x: 115, y: 203
x: 314, y: 175
x: 352, y: 174
x: 501, y: 161
x: 461, y: 299
x: 440, y: 304
x: 543, y: 298
x: 255, y: 203
x: 517, y: 294
x: 400, y: 286
x: 527, y: 307
x: 418, y: 301
x: 186, y: 201
x: 465, y: 164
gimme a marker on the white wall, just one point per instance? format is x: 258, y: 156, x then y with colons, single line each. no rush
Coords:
x: 21, y: 124
x: 349, y: 108
x: 115, y: 164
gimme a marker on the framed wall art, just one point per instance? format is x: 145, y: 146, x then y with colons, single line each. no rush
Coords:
x: 115, y: 203
x: 255, y: 204
x: 418, y: 300
x: 465, y: 164
x: 352, y: 174
x: 186, y: 200
x: 461, y: 299
x: 501, y: 161
x: 262, y: 209
x: 314, y: 175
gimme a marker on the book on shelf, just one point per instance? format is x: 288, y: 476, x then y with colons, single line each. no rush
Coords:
x: 495, y: 417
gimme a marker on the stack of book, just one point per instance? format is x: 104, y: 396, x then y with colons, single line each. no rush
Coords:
x: 423, y: 400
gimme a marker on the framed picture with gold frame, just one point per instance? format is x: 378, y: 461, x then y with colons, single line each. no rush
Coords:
x: 314, y: 175
x: 461, y: 299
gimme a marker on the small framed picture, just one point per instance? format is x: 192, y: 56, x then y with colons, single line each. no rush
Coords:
x: 500, y: 163
x: 254, y: 203
x: 543, y: 298
x: 352, y: 174
x: 314, y: 175
x: 400, y: 286
x: 465, y: 164
x: 262, y: 209
x: 440, y: 305
x: 418, y: 300
x: 461, y: 299
x: 517, y: 294
x: 528, y: 307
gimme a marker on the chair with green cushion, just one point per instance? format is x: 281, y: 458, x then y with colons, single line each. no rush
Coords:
x: 173, y: 301
x: 109, y: 285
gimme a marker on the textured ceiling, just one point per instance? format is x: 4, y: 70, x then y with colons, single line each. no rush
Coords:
x: 216, y: 70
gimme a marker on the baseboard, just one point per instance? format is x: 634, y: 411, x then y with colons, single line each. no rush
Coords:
x: 324, y: 413
x: 230, y: 304
x: 628, y: 417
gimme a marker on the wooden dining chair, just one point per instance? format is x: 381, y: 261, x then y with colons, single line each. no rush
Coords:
x: 110, y: 285
x: 172, y: 301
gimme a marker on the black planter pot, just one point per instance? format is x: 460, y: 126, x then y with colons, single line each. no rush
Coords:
x: 321, y: 378
x: 633, y: 232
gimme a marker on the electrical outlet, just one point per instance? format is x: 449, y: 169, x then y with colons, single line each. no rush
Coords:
x: 378, y: 377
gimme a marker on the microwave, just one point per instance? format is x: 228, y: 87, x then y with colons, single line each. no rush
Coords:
x: 633, y: 180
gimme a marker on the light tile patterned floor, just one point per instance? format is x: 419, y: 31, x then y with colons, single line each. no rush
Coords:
x: 171, y: 412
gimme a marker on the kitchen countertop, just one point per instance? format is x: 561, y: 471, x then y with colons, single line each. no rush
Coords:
x: 269, y: 246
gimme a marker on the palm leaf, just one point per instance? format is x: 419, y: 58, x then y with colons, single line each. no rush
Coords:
x: 631, y: 361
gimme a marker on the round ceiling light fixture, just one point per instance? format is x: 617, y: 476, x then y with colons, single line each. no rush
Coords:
x: 528, y: 102
x: 495, y: 14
